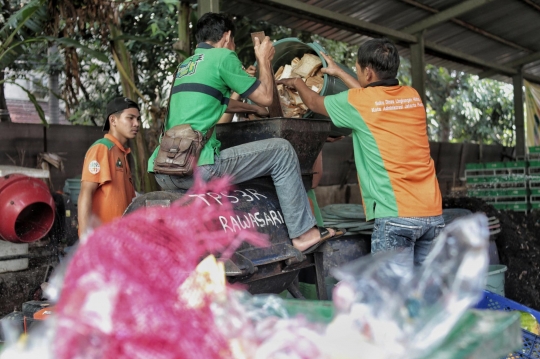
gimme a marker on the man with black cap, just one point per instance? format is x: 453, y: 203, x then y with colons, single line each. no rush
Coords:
x: 106, y: 184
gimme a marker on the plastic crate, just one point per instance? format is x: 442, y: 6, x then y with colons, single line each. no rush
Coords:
x: 499, y: 206
x: 477, y: 180
x: 514, y: 192
x: 518, y: 207
x: 515, y: 164
x: 531, y: 342
x: 534, y: 149
x: 474, y: 166
x: 495, y: 165
x: 535, y: 191
x: 479, y: 193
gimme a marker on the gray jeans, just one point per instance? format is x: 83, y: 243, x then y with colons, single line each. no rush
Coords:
x: 412, y: 236
x: 273, y: 157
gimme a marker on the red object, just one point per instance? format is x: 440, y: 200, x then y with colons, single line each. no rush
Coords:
x: 27, y: 208
x: 44, y: 313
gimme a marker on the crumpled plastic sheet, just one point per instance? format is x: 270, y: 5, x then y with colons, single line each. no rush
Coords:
x: 404, y: 310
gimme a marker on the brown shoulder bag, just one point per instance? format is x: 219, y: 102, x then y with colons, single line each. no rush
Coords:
x: 180, y: 148
x: 179, y: 151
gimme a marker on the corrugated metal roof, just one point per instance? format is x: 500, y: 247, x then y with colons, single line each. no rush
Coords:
x: 499, y: 31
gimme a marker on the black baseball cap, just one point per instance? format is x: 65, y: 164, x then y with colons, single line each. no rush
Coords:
x: 116, y: 105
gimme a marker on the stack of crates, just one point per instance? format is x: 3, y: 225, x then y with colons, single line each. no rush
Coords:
x: 534, y: 176
x: 504, y: 185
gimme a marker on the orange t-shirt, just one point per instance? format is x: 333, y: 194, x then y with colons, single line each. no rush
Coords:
x: 106, y: 163
x: 391, y: 150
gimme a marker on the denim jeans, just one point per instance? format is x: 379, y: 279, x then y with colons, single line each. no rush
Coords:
x: 273, y: 157
x: 411, y: 236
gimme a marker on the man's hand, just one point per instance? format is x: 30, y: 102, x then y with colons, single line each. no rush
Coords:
x: 264, y: 52
x: 290, y: 83
x: 333, y: 69
x: 311, y: 99
x: 261, y: 111
x: 251, y: 70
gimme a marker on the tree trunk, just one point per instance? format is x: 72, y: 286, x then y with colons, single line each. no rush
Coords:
x: 54, y: 90
x: 4, y: 112
x: 144, y: 181
x: 444, y: 129
x: 183, y: 29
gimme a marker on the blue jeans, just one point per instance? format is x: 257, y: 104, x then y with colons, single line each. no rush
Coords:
x: 411, y: 236
x: 273, y: 157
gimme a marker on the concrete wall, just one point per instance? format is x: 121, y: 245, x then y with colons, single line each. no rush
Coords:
x: 24, y: 142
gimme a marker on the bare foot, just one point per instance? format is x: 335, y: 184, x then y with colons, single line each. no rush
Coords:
x: 309, y: 238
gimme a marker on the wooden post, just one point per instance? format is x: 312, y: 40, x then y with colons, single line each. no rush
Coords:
x: 519, y: 113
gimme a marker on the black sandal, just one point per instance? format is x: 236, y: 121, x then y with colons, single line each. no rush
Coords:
x: 325, y: 235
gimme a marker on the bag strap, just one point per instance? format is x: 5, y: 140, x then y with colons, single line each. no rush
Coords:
x: 168, y: 104
x: 208, y: 133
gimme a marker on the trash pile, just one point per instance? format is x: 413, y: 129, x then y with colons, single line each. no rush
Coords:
x: 308, y: 68
x: 137, y: 288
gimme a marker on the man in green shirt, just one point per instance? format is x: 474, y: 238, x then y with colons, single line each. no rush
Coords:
x: 201, y: 94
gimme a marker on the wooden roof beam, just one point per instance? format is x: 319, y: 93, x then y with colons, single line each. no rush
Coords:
x: 444, y: 15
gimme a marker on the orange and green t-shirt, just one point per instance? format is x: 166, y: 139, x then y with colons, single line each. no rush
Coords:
x: 106, y: 163
x: 391, y: 150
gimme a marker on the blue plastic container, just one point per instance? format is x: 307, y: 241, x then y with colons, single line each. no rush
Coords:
x: 531, y: 342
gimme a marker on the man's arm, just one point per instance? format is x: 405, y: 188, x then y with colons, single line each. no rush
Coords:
x: 236, y: 106
x: 84, y: 204
x: 334, y: 70
x: 264, y: 52
x: 310, y: 98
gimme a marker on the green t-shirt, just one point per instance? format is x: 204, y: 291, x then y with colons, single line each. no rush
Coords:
x: 201, y: 92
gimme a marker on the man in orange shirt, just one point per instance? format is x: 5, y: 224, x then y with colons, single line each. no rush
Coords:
x: 391, y: 149
x: 106, y: 184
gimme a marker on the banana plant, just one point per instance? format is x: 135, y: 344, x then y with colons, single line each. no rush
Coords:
x: 15, y: 37
x: 24, y: 28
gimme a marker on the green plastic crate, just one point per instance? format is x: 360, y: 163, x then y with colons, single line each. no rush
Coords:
x: 494, y: 165
x: 535, y: 191
x: 476, y: 180
x: 535, y: 205
x: 534, y: 149
x: 534, y: 164
x: 513, y: 192
x: 499, y: 206
x: 515, y: 164
x: 514, y: 178
x: 517, y: 206
x: 474, y: 166
x: 479, y: 193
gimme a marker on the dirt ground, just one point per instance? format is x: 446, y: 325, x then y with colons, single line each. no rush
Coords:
x: 518, y: 245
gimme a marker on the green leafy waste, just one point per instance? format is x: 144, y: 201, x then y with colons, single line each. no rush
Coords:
x: 529, y: 322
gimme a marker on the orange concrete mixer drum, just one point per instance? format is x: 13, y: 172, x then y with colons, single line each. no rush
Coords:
x: 26, y: 209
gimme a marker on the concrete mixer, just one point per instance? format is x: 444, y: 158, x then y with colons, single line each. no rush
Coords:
x: 26, y: 207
